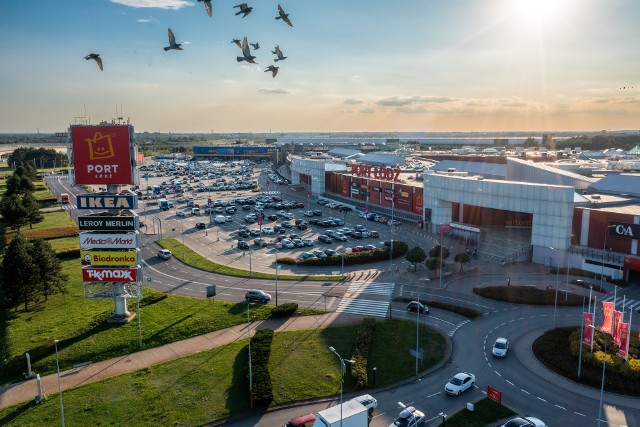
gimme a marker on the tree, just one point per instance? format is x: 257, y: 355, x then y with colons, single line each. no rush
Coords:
x: 435, y: 252
x: 32, y: 209
x: 415, y: 256
x: 19, y: 274
x: 462, y: 258
x: 13, y: 212
x: 548, y: 141
x: 530, y: 143
x: 49, y: 277
x: 432, y: 263
x: 19, y: 184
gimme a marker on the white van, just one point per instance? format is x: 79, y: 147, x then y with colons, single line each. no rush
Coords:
x: 195, y: 211
x: 220, y: 219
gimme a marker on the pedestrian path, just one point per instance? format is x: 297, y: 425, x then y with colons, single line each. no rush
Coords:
x: 629, y: 304
x: 363, y: 307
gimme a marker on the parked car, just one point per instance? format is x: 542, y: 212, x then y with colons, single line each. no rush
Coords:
x: 267, y: 230
x: 286, y: 243
x: 260, y: 242
x: 459, y: 383
x: 331, y: 252
x: 307, y: 242
x: 360, y: 228
x: 308, y: 213
x: 409, y: 417
x: 325, y: 239
x: 417, y: 306
x: 372, y: 233
x: 370, y: 247
x: 201, y: 226
x: 394, y: 222
x: 302, y: 421
x: 320, y: 254
x: 243, y: 245
x: 257, y: 295
x: 317, y: 212
x: 339, y: 236
x: 500, y: 347
x: 307, y: 255
x: 367, y: 401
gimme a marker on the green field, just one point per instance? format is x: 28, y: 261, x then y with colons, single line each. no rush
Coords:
x: 213, y: 384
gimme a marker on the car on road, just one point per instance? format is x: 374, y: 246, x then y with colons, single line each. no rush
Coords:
x: 417, y: 306
x: 243, y: 245
x: 257, y: 295
x: 164, y: 254
x: 394, y: 222
x: 201, y: 226
x: 260, y: 242
x: 459, y: 383
x: 409, y: 417
x: 181, y: 214
x: 367, y: 401
x: 500, y: 347
x: 524, y: 422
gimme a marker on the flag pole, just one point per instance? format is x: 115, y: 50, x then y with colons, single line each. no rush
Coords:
x: 595, y: 299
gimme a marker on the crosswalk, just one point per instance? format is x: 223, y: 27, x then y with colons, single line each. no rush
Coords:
x: 351, y: 304
x: 456, y: 327
x: 629, y: 304
x: 69, y: 207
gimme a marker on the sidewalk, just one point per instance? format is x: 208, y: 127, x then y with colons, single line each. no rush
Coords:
x: 21, y: 392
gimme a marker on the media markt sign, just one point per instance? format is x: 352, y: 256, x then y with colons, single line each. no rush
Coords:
x: 109, y: 223
x: 109, y: 241
x: 107, y: 201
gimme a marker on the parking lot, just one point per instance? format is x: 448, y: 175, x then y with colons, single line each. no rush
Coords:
x: 248, y: 228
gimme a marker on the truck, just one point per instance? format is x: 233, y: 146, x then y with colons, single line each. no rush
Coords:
x: 350, y: 414
x: 64, y: 198
x: 164, y: 204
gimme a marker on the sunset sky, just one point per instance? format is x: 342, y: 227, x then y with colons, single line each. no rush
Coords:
x: 356, y: 65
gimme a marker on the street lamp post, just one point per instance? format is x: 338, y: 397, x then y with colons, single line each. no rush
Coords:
x: 250, y: 271
x: 441, y: 257
x: 183, y: 250
x: 250, y: 372
x: 277, y: 269
x: 55, y: 343
x: 555, y: 304
x: 342, y: 370
x: 604, y: 365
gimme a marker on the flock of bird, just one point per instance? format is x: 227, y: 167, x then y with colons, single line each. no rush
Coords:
x: 244, y: 10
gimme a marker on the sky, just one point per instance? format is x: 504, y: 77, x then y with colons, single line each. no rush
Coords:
x: 352, y: 65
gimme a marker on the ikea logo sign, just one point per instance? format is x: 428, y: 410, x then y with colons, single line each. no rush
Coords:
x: 106, y: 201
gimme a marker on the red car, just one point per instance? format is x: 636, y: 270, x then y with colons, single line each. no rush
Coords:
x: 358, y: 249
x: 356, y: 234
x: 300, y: 205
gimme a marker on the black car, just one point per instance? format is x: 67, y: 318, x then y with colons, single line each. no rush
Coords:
x: 345, y: 208
x: 325, y: 239
x: 201, y: 226
x: 243, y: 245
x: 272, y: 217
x: 314, y: 221
x: 417, y: 306
x: 302, y: 226
x: 257, y: 295
x: 317, y: 212
x: 246, y: 207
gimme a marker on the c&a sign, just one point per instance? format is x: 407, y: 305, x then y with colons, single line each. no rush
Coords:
x: 102, y: 154
x: 621, y: 229
x: 367, y: 171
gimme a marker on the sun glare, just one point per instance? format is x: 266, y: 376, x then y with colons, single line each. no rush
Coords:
x: 537, y: 12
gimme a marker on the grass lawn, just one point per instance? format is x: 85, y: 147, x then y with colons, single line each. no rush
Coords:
x: 196, y: 260
x: 55, y: 224
x: 213, y: 384
x: 485, y: 411
x: 84, y: 335
x: 527, y: 295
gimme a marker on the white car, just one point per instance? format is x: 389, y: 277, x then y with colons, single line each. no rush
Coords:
x: 459, y: 383
x: 288, y: 244
x: 340, y: 236
x: 500, y: 347
x: 181, y: 214
x: 524, y: 422
x: 267, y: 230
x: 409, y: 417
x: 367, y: 401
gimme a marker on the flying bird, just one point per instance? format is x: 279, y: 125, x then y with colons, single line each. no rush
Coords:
x: 246, y: 53
x: 283, y: 16
x: 255, y: 46
x: 172, y: 42
x: 96, y: 57
x: 207, y: 6
x: 243, y: 9
x: 237, y: 41
x: 274, y: 70
x: 278, y: 52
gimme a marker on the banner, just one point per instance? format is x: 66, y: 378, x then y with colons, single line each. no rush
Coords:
x: 107, y: 201
x: 108, y: 223
x: 119, y: 275
x: 587, y: 331
x: 623, y: 351
x: 494, y: 394
x: 109, y: 241
x: 102, y: 154
x: 617, y: 320
x: 607, y: 307
x: 110, y: 258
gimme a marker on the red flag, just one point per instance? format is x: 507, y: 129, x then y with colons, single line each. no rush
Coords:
x: 587, y: 331
x: 623, y: 351
x: 607, y: 307
x: 617, y: 321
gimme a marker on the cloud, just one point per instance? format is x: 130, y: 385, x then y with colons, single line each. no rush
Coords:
x: 273, y: 91
x: 412, y: 110
x: 393, y: 102
x: 352, y: 101
x: 396, y: 101
x: 160, y: 4
x: 356, y: 78
x: 367, y: 111
x: 149, y: 20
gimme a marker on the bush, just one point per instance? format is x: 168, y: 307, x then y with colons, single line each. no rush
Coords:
x: 47, y: 233
x: 261, y: 390
x: 286, y: 260
x: 526, y: 295
x: 284, y: 310
x: 361, y: 346
x: 68, y: 253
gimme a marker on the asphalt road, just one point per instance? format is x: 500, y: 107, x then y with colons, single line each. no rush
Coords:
x: 526, y: 386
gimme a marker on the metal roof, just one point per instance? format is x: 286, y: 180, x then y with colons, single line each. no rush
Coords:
x: 382, y: 159
x: 343, y: 152
x: 628, y: 184
x: 488, y: 170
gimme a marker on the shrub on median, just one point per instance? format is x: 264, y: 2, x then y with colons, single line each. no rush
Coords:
x: 261, y: 390
x: 284, y: 310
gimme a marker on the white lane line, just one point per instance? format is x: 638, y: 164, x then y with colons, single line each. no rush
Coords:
x: 578, y: 413
x: 434, y: 394
x: 539, y: 398
x: 524, y: 391
x: 558, y: 406
x: 510, y: 383
x: 497, y: 373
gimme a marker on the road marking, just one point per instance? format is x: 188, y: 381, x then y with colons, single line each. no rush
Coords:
x: 558, y: 406
x: 524, y: 391
x: 434, y: 394
x: 578, y: 413
x: 510, y: 383
x: 539, y: 398
x: 497, y: 373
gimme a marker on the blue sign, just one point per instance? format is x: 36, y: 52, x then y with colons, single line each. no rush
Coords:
x: 106, y: 201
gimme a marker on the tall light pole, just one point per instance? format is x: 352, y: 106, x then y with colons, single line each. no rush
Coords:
x: 555, y: 304
x: 183, y: 250
x: 250, y: 372
x: 441, y: 256
x: 342, y: 370
x: 55, y: 343
x: 277, y: 269
x: 604, y: 251
x: 604, y: 365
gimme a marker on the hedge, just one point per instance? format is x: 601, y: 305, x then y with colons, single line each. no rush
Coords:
x: 284, y: 310
x: 261, y: 390
x: 464, y: 311
x: 361, y: 346
x: 527, y: 295
x: 46, y: 233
